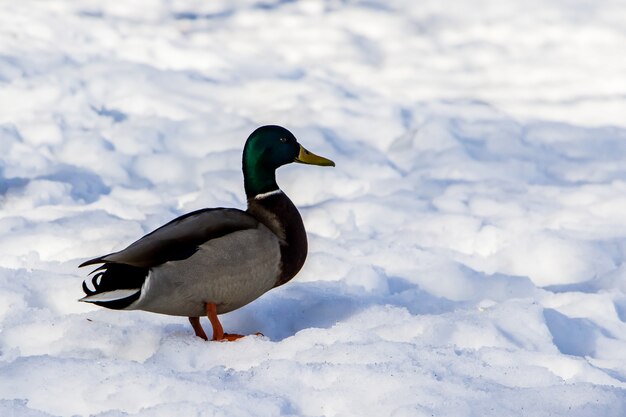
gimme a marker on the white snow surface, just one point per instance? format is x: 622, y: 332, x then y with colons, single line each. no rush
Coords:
x: 466, y: 254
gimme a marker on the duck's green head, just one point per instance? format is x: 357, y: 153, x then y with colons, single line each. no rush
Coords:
x: 268, y: 148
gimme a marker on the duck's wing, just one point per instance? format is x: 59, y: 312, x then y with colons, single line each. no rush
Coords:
x: 117, y: 283
x: 180, y: 238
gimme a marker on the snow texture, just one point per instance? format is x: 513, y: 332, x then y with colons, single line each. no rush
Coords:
x: 466, y: 254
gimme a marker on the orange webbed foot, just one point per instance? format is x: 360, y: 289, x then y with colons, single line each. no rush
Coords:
x: 231, y: 337
x: 218, y: 331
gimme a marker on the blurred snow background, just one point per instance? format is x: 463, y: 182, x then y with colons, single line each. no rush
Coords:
x: 466, y: 255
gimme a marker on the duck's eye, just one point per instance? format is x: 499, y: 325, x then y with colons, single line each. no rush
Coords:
x: 283, y: 140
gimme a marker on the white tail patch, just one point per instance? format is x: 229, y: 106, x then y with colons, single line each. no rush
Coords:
x: 104, y: 297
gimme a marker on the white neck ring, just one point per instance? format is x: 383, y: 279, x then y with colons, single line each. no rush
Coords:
x: 269, y: 193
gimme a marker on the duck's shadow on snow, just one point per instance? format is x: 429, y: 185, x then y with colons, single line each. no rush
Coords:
x: 284, y: 312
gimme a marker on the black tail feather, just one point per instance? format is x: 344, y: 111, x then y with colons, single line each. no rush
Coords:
x: 93, y: 261
x: 111, y: 277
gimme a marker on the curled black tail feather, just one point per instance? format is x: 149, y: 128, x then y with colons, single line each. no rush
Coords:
x: 110, y: 277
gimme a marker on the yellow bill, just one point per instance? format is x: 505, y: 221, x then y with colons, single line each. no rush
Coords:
x: 306, y: 157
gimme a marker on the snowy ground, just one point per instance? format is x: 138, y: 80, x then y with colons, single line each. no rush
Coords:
x: 467, y: 252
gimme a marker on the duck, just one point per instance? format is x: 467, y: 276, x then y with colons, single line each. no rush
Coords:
x: 214, y: 260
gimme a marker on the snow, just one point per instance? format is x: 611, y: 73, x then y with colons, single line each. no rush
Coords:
x: 466, y: 254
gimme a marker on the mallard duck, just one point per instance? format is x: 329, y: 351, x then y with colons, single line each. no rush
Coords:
x: 215, y: 260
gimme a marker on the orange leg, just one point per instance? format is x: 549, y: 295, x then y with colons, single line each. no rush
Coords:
x: 218, y: 331
x: 195, y: 323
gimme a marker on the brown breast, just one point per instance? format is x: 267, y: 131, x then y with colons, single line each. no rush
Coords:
x: 280, y: 215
